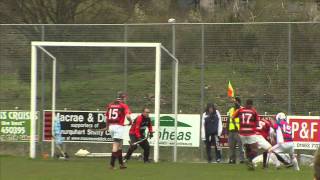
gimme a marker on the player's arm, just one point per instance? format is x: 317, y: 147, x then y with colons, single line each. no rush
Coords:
x: 219, y: 123
x: 107, y: 122
x: 127, y: 112
x: 150, y: 129
x: 235, y: 114
x: 229, y: 116
x: 105, y: 128
x: 128, y: 116
x: 138, y: 126
x: 272, y: 135
x: 203, y: 137
x: 257, y: 117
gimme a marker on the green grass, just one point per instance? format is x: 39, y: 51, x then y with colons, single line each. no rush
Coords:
x: 23, y: 168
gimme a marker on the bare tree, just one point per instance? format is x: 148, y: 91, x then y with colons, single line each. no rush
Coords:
x: 40, y: 11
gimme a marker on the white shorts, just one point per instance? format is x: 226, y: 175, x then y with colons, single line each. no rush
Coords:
x: 116, y: 131
x: 249, y: 139
x: 263, y: 143
x: 287, y: 147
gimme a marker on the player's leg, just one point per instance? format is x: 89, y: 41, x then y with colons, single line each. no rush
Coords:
x: 208, y: 146
x: 277, y: 150
x: 294, y: 162
x: 117, y: 153
x: 253, y: 151
x: 114, y: 154
x: 248, y: 150
x: 119, y: 138
x: 117, y: 134
x: 115, y: 147
x: 265, y: 145
x: 250, y: 145
x: 265, y: 157
x: 290, y: 150
x: 62, y: 153
x: 132, y: 148
x: 146, y: 150
x: 232, y: 147
x: 217, y: 148
x: 120, y: 158
x: 281, y: 159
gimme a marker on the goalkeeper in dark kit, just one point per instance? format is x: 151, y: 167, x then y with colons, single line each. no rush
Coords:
x: 138, y: 137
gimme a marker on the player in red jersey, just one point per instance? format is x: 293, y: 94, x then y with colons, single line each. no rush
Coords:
x: 116, y: 113
x: 249, y: 119
x: 263, y: 130
x: 265, y: 133
x: 137, y: 135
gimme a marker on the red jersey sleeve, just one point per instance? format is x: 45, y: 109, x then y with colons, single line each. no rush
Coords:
x: 126, y: 109
x: 150, y: 126
x: 106, y: 114
x: 138, y: 126
x: 257, y: 116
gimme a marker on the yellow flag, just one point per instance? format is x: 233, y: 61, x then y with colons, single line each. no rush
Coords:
x: 230, y: 90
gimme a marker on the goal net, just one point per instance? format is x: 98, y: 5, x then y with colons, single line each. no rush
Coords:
x: 87, y: 75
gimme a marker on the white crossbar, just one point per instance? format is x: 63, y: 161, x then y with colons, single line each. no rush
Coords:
x: 94, y: 44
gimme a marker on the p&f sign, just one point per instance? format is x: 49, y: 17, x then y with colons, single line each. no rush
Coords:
x: 305, y: 131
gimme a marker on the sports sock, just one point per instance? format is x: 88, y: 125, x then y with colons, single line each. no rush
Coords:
x: 113, y: 158
x: 265, y: 156
x: 130, y: 151
x: 251, y: 155
x: 281, y: 159
x: 295, y: 164
x: 119, y: 153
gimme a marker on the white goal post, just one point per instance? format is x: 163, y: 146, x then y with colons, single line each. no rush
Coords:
x: 35, y: 45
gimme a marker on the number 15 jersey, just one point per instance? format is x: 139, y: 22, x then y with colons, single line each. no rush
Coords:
x: 116, y: 112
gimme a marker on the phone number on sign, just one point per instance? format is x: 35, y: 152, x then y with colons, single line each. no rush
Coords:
x: 13, y: 130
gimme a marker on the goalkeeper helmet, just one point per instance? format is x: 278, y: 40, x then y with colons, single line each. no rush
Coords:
x: 281, y: 117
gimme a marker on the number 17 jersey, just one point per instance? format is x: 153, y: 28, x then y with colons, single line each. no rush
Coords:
x: 249, y: 119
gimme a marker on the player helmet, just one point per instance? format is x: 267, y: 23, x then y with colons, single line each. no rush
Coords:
x: 281, y: 117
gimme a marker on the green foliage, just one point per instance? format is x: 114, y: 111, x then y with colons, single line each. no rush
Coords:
x: 136, y: 11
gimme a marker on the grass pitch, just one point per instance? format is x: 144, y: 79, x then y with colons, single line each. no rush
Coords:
x: 22, y: 168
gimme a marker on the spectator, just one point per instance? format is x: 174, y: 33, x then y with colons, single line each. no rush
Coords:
x: 211, y: 130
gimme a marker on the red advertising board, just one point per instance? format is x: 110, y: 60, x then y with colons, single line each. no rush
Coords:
x: 47, y: 126
x: 305, y: 131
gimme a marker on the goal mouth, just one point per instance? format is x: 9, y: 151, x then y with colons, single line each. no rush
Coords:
x: 45, y: 47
